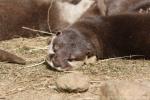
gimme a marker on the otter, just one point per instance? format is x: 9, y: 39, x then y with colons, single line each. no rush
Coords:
x: 101, y: 36
x: 15, y: 14
x: 114, y: 7
x: 64, y: 16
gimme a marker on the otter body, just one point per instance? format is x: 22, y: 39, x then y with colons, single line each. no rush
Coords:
x: 124, y: 35
x: 104, y: 37
x: 119, y: 34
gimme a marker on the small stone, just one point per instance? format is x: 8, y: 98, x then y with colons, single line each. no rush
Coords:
x: 73, y: 82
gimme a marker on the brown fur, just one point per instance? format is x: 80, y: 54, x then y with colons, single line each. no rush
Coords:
x: 125, y: 6
x: 113, y: 7
x: 17, y: 13
x: 111, y: 36
x: 11, y: 58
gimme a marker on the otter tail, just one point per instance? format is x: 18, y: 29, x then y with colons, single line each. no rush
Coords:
x: 10, y: 58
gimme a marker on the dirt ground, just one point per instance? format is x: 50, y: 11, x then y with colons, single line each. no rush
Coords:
x: 30, y: 82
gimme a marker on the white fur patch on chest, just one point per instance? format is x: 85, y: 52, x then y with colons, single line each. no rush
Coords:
x: 50, y: 47
x: 70, y: 13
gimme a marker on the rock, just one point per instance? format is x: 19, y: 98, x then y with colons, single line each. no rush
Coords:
x: 124, y: 90
x: 73, y: 82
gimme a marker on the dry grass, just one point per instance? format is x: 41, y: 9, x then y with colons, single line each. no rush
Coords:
x: 19, y: 80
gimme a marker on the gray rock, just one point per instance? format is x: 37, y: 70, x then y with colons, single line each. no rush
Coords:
x: 73, y: 82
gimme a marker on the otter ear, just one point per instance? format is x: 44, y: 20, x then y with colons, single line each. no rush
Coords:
x: 58, y: 33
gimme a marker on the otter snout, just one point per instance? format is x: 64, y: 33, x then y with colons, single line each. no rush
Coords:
x: 56, y: 61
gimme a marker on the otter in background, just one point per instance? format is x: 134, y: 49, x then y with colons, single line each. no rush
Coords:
x: 33, y: 14
x: 113, y: 7
x: 15, y: 14
x: 67, y: 13
x: 101, y: 36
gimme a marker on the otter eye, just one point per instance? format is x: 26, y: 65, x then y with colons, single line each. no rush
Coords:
x: 58, y: 33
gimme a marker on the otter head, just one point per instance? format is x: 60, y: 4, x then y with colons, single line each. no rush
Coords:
x: 67, y: 48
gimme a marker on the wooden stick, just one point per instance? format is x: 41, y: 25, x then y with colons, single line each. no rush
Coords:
x: 51, y: 4
x: 33, y: 65
x: 34, y: 30
x: 123, y: 57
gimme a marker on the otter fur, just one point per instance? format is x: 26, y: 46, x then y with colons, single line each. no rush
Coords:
x: 113, y: 7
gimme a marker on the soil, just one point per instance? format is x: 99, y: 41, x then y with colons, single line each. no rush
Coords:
x: 37, y: 82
